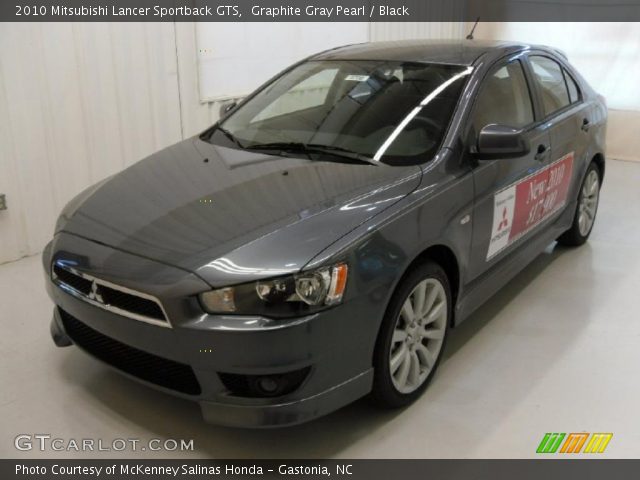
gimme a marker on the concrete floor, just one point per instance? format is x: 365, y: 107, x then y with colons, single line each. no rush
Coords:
x: 558, y: 350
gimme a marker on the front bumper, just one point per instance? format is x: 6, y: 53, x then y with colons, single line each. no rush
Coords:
x: 331, y: 345
x: 255, y: 415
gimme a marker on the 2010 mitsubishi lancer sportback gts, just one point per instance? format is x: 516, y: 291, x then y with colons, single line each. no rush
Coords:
x: 317, y: 244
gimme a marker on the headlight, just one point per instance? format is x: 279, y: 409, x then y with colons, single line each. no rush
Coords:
x: 298, y: 294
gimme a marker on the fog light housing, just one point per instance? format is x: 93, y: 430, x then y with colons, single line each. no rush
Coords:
x: 268, y: 385
x: 264, y: 386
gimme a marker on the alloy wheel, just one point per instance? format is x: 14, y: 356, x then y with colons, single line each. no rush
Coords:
x: 588, y: 203
x: 418, y: 335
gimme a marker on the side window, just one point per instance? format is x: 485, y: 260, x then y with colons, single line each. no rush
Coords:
x: 574, y: 93
x: 504, y: 99
x: 553, y: 88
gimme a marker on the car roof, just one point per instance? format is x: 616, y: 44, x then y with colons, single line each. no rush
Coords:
x: 456, y: 52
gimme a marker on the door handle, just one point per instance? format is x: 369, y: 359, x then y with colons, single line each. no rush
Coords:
x: 542, y: 152
x: 585, y: 125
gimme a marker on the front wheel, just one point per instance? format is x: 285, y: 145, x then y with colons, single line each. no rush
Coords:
x: 586, y: 210
x: 412, y: 336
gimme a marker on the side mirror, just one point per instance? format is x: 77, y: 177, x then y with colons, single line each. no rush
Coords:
x: 500, y: 141
x: 226, y: 108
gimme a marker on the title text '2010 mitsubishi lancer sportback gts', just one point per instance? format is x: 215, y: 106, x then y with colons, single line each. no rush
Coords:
x: 317, y: 243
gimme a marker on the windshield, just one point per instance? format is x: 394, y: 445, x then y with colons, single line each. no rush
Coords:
x: 385, y: 111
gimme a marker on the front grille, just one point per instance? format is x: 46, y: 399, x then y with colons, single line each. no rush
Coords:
x: 74, y: 281
x: 131, y: 303
x: 120, y: 300
x: 146, y: 366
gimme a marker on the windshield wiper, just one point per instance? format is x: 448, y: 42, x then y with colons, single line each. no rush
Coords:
x: 300, y: 147
x: 230, y: 136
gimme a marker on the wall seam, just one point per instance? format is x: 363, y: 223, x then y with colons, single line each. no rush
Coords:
x: 179, y: 83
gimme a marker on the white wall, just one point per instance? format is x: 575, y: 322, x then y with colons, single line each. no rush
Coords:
x: 235, y: 58
x: 607, y: 54
x: 380, y: 31
x: 78, y: 102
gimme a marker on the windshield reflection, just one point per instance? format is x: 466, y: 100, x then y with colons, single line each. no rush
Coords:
x: 392, y: 112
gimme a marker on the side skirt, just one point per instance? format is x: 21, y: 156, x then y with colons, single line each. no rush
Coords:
x: 487, y: 285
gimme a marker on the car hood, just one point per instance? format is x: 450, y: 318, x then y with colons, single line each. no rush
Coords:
x: 230, y: 215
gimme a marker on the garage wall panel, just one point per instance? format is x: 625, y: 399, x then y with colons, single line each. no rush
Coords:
x: 78, y: 102
x: 64, y: 129
x: 28, y: 112
x: 99, y: 96
x: 381, y: 31
x: 240, y: 52
x: 12, y: 229
x: 195, y: 115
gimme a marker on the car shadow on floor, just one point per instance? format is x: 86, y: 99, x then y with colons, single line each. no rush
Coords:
x: 489, y: 310
x: 162, y: 415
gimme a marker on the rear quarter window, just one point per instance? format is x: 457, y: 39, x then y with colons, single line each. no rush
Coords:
x: 574, y: 91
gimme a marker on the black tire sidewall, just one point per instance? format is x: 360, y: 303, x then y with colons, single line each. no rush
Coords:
x: 384, y: 392
x: 573, y: 237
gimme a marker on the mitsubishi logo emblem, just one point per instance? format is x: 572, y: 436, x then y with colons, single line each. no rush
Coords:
x: 94, y: 294
x: 504, y: 223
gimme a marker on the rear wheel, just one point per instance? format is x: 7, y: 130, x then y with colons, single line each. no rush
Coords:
x: 412, y: 336
x: 586, y: 209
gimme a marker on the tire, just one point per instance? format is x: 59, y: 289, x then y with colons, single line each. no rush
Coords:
x: 402, y: 342
x: 585, y: 215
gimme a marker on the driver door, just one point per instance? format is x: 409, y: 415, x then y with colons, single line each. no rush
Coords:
x: 509, y: 192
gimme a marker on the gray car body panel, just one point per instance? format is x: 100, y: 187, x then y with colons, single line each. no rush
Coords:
x: 175, y: 225
x: 231, y: 219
